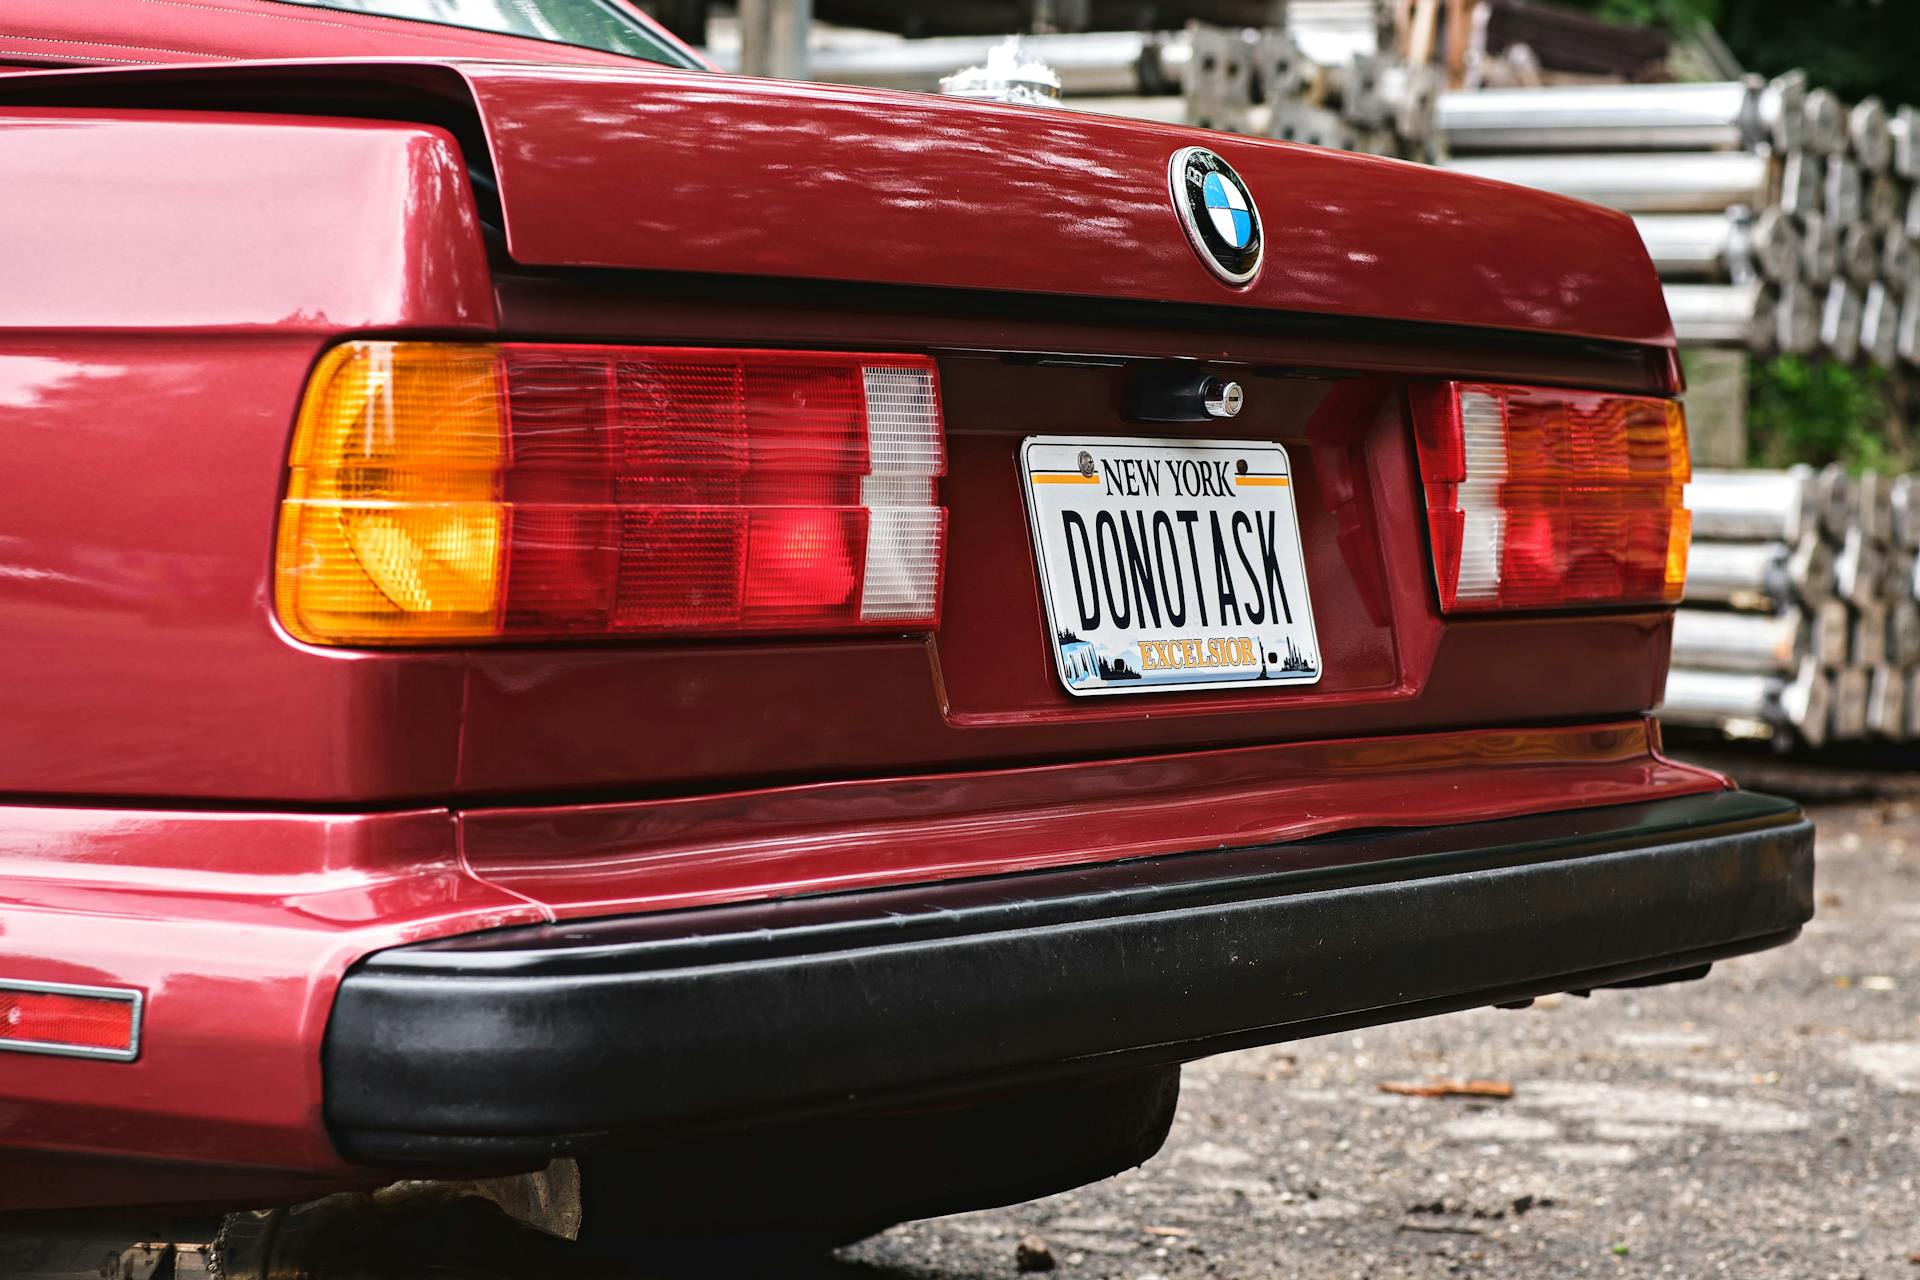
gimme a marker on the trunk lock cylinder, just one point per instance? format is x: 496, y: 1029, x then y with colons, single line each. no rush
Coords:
x: 1183, y: 395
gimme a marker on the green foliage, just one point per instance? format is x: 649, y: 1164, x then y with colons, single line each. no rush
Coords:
x: 1818, y: 412
x: 1853, y: 47
x: 1673, y: 15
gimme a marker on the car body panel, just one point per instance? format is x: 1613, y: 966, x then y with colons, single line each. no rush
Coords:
x: 595, y: 860
x: 159, y: 32
x: 206, y: 237
x: 235, y: 926
x: 230, y: 223
x: 172, y: 279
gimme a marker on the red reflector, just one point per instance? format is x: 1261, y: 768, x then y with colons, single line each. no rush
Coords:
x: 85, y: 1022
x: 1542, y: 499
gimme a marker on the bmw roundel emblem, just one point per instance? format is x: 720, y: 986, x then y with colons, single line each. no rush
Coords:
x: 1218, y: 212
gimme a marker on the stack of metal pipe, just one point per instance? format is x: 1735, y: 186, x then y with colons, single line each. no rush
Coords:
x: 1321, y: 75
x: 1780, y: 219
x: 1801, y: 622
x: 1271, y: 82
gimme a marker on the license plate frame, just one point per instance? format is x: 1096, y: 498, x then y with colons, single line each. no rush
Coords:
x: 1191, y: 483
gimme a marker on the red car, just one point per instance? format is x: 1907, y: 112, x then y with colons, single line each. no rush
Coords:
x: 806, y: 647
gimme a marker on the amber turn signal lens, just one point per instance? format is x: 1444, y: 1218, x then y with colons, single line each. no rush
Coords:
x: 392, y: 528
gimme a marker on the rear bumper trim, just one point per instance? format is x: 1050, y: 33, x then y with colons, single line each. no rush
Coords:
x: 522, y: 1042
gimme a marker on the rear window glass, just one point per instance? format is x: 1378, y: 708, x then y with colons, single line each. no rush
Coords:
x: 591, y: 24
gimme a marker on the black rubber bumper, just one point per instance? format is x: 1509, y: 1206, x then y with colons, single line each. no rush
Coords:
x: 522, y: 1042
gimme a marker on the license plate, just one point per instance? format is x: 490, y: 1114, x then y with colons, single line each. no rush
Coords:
x: 1170, y: 564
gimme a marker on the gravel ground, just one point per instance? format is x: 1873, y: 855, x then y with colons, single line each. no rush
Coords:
x: 1764, y: 1122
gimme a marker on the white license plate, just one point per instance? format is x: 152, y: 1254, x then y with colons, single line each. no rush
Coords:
x: 1170, y: 564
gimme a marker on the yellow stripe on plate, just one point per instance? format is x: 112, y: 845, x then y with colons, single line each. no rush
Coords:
x: 1275, y: 481
x: 1066, y: 479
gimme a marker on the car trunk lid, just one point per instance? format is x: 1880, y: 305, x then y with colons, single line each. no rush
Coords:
x: 655, y: 169
x: 704, y: 173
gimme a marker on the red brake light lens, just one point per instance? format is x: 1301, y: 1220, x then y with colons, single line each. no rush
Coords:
x: 449, y: 492
x: 1546, y: 499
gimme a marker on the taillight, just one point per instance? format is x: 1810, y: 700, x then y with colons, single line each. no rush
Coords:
x: 446, y: 493
x: 70, y: 1021
x: 1546, y: 499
